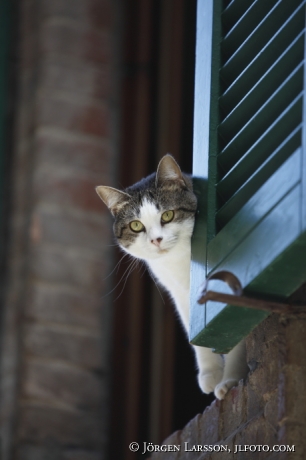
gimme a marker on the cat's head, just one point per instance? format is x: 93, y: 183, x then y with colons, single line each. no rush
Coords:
x: 156, y: 214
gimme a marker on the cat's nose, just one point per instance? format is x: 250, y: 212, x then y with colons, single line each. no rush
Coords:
x: 156, y: 241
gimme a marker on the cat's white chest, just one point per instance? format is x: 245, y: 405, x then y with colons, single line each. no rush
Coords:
x: 173, y: 272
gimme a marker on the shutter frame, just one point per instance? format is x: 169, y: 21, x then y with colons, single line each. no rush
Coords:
x: 264, y: 251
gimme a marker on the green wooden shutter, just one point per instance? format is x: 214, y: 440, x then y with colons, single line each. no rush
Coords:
x: 249, y: 147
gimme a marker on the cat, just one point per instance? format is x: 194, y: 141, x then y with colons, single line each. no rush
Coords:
x: 154, y: 221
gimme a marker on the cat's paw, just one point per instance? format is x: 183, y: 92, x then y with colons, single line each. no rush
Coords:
x: 223, y: 387
x: 209, y: 379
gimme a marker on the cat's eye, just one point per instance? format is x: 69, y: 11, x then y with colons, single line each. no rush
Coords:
x: 167, y: 216
x: 136, y: 226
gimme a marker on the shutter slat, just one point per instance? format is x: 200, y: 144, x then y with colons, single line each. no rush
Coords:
x: 233, y: 12
x: 262, y: 62
x: 277, y: 73
x: 281, y: 216
x: 270, y: 26
x: 244, y: 190
x: 262, y: 120
x: 263, y: 105
x: 260, y: 201
x: 242, y: 28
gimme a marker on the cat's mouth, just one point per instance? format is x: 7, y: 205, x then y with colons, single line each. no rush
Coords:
x: 162, y: 251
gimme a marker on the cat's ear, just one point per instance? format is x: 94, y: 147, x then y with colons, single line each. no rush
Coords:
x: 168, y: 169
x: 112, y: 197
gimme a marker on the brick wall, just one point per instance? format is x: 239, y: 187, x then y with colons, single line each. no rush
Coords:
x: 56, y: 326
x: 268, y: 409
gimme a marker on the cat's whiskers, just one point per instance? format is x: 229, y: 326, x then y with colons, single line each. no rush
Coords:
x: 119, y: 263
x: 143, y: 266
x: 126, y: 271
x: 129, y: 270
x: 111, y: 245
x: 171, y: 240
x: 152, y: 277
x: 116, y: 266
